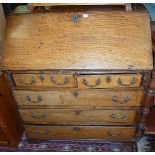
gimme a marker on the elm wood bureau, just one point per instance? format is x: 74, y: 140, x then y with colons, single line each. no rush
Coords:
x: 80, y: 74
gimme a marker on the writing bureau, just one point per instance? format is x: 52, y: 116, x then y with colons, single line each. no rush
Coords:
x: 80, y: 73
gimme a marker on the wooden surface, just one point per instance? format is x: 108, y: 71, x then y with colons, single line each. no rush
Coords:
x: 44, y: 80
x: 78, y: 117
x: 3, y: 138
x: 71, y: 98
x: 80, y: 132
x: 68, y: 81
x: 8, y: 117
x: 2, y: 20
x: 150, y: 123
x: 108, y: 81
x: 73, y: 41
x: 99, y: 40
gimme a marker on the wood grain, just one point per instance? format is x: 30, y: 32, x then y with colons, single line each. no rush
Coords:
x: 9, y: 120
x: 80, y: 132
x: 44, y: 80
x: 3, y: 139
x: 71, y: 98
x: 59, y: 80
x: 103, y: 40
x: 150, y: 123
x: 69, y: 42
x: 108, y: 81
x: 78, y: 117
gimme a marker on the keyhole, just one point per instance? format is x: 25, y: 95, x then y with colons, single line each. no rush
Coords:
x: 75, y: 18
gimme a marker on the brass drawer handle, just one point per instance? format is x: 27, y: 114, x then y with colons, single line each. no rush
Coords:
x: 32, y: 80
x: 42, y: 132
x: 125, y: 100
x: 41, y: 78
x: 118, y: 117
x: 97, y: 82
x: 114, y: 135
x: 20, y: 79
x: 42, y: 116
x: 132, y: 81
x: 39, y: 99
x: 66, y: 81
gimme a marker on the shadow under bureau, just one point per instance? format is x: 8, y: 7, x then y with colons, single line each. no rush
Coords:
x: 78, y: 76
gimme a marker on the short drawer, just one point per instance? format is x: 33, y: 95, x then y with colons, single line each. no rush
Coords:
x: 80, y: 117
x: 108, y: 81
x: 96, y: 98
x: 80, y: 132
x: 44, y: 80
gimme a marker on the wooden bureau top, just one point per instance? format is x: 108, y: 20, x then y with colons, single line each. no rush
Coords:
x: 114, y: 40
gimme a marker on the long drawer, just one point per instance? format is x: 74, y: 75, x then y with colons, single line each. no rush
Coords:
x: 79, y: 98
x: 80, y: 117
x: 80, y: 132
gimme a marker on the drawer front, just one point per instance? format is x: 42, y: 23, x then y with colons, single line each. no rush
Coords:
x: 89, y: 98
x: 108, y: 81
x: 80, y: 132
x: 80, y: 117
x: 44, y: 80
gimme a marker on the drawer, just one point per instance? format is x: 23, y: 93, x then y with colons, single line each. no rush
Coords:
x: 80, y: 117
x: 44, y: 80
x: 82, y: 98
x: 108, y: 81
x: 80, y: 132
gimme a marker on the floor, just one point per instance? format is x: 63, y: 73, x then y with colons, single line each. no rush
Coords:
x: 146, y: 144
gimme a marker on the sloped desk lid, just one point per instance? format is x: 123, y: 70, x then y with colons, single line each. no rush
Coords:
x: 66, y: 40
